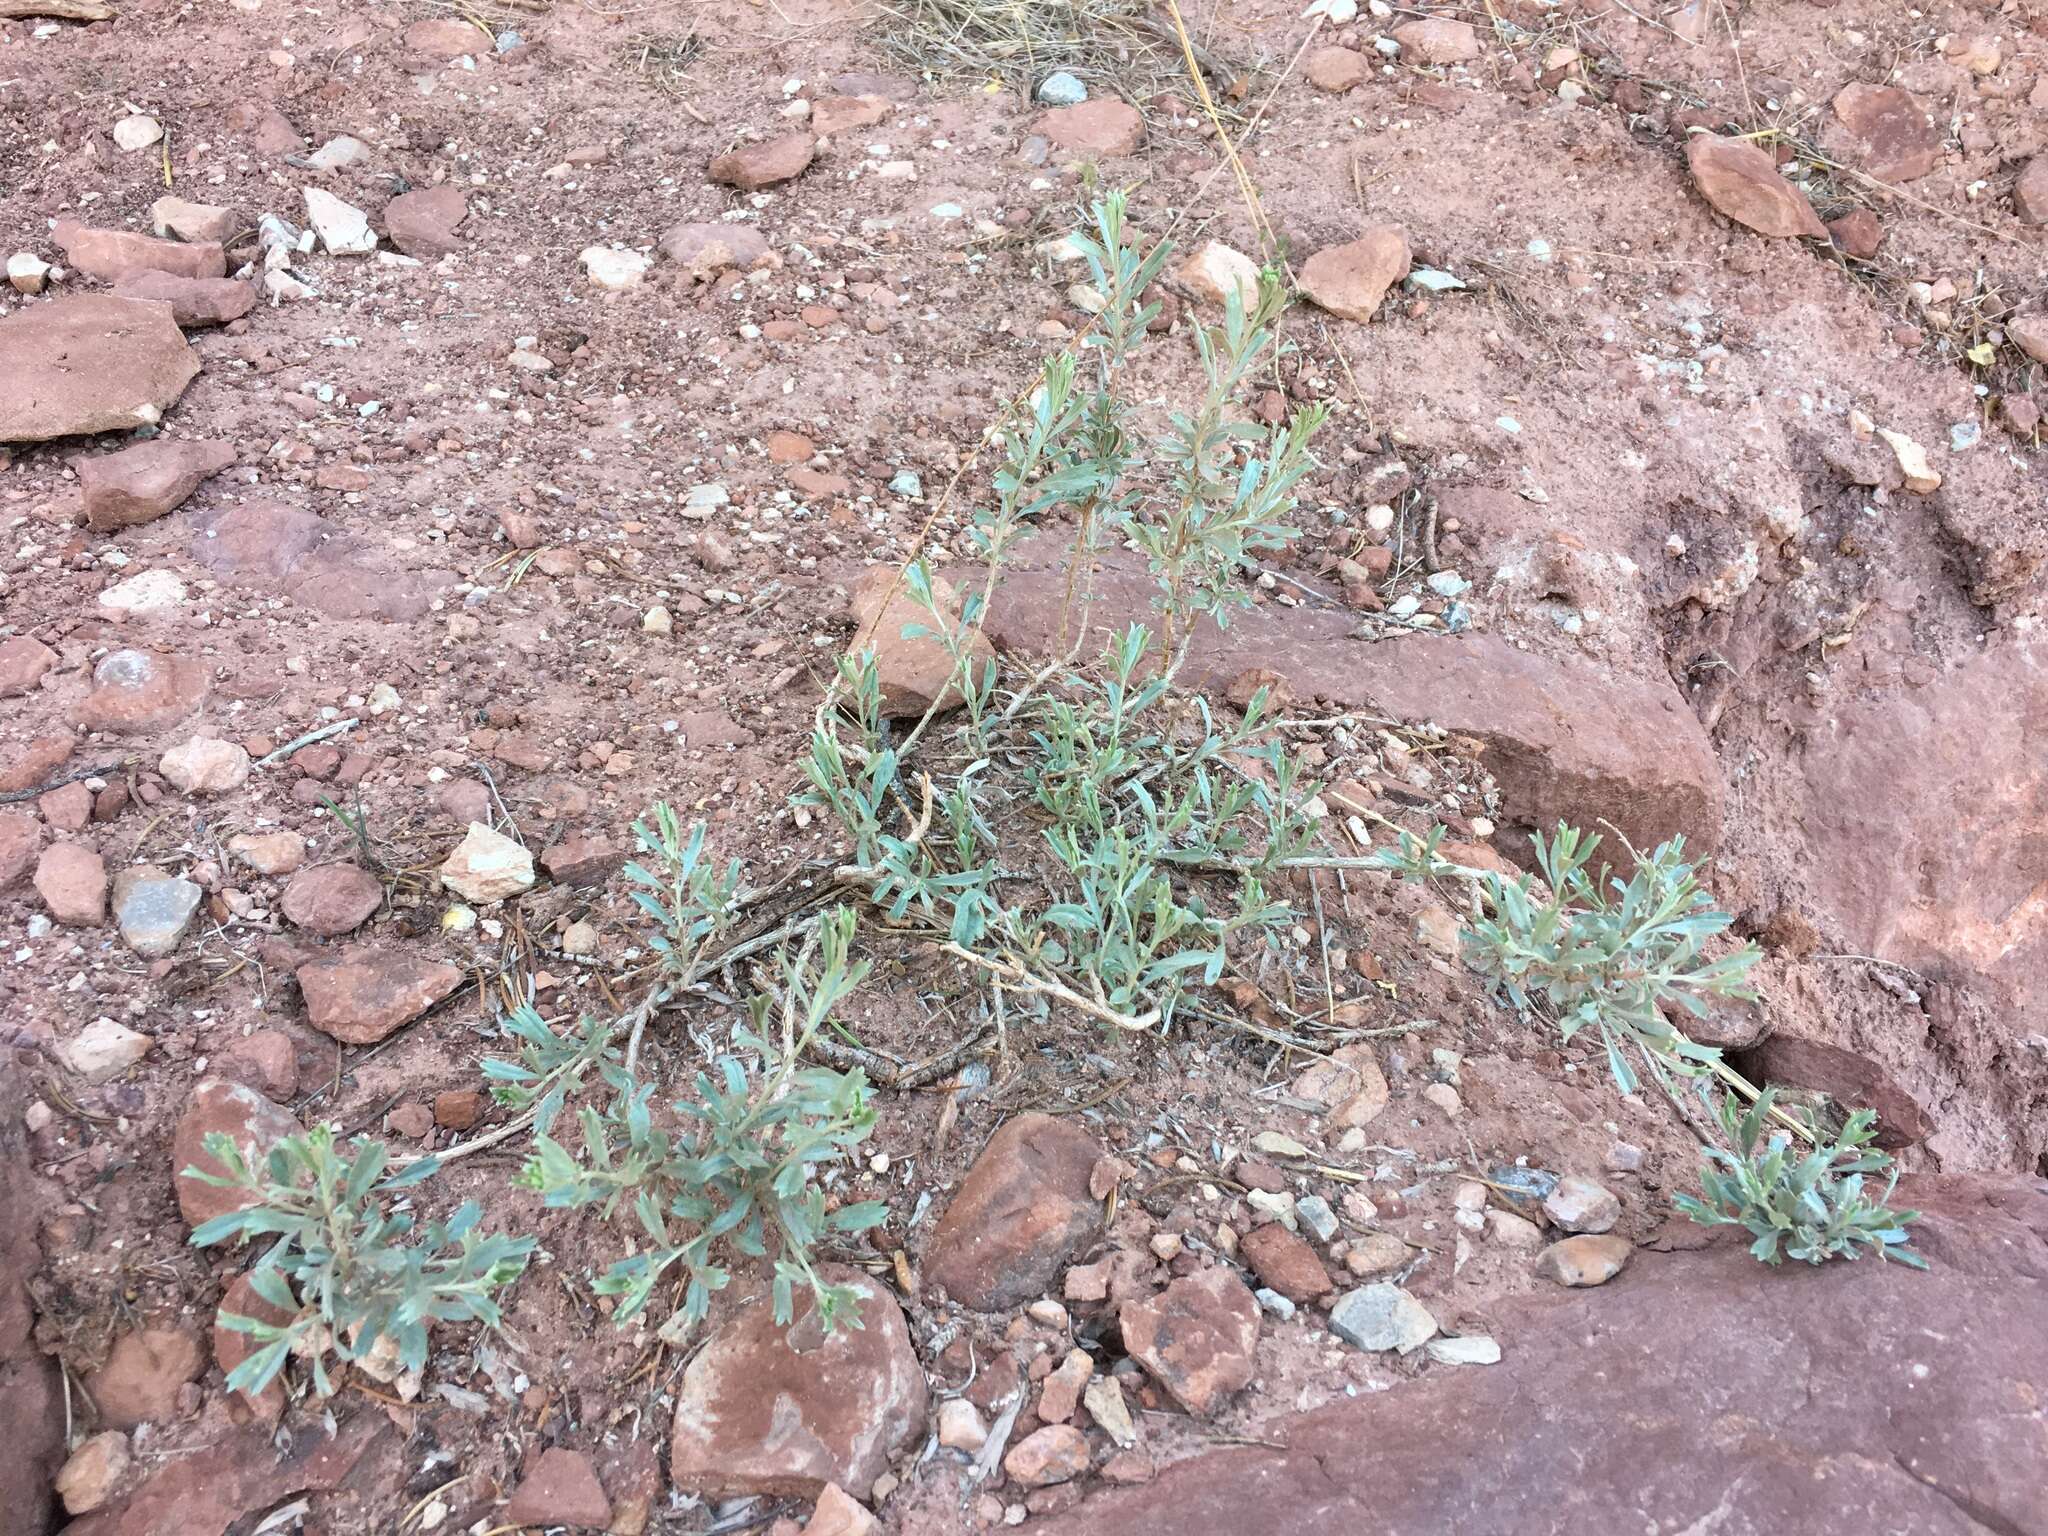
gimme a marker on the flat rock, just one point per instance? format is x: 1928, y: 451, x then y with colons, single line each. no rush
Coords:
x: 1284, y: 1262
x: 1349, y: 280
x: 1382, y: 1317
x: 1102, y: 127
x: 754, y: 166
x: 153, y: 908
x: 236, y: 1111
x: 560, y: 1488
x: 1884, y: 132
x: 1214, y: 272
x: 269, y: 853
x: 1437, y: 41
x: 1336, y: 69
x: 205, y: 766
x: 23, y: 662
x: 1198, y: 1338
x: 89, y: 363
x: 842, y: 114
x: 31, y: 764
x: 1743, y: 182
x: 764, y: 1409
x: 1057, y: 1453
x: 138, y: 691
x: 144, y: 481
x: 332, y: 899
x: 1022, y: 1213
x: 21, y: 840
x: 1588, y: 1259
x: 368, y: 994
x: 1606, y: 1417
x: 423, y: 223
x: 144, y: 1370
x: 201, y: 223
x: 72, y: 880
x: 266, y: 547
x: 231, y: 1347
x: 581, y: 860
x: 1568, y: 740
x: 1579, y: 1204
x: 915, y: 672
x: 446, y: 37
x: 705, y: 250
x: 194, y: 301
x: 112, y: 254
x: 144, y: 594
x: 487, y: 866
x: 103, y: 1050
x: 1849, y: 1077
x: 343, y: 228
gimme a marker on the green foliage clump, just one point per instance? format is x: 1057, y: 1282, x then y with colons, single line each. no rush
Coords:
x: 1089, y: 835
x: 742, y: 1166
x: 1599, y: 953
x: 346, y: 1264
x: 1812, y: 1205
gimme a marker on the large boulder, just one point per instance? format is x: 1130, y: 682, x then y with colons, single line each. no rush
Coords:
x: 1699, y: 1391
x: 1022, y: 1212
x: 769, y: 1409
x: 89, y: 363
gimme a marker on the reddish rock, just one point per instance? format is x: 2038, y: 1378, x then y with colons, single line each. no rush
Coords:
x: 35, y: 762
x: 112, y: 254
x: 1857, y: 233
x: 1851, y: 1078
x: 1437, y: 41
x: 1884, y: 132
x: 1743, y: 182
x: 1585, y: 1260
x: 423, y: 223
x: 581, y: 860
x: 1284, y: 1262
x: 1061, y: 1393
x: 2019, y: 413
x: 705, y: 250
x: 1336, y: 69
x: 838, y: 1513
x: 445, y: 37
x: 140, y: 691
x: 788, y: 447
x: 1198, y: 1338
x: 23, y: 661
x: 72, y: 880
x: 233, y: 1474
x: 769, y: 1409
x: 459, y: 1108
x: 2030, y: 192
x: 841, y: 114
x: 194, y: 301
x: 231, y: 1348
x: 234, y: 1110
x: 262, y: 546
x: 914, y: 671
x: 2030, y: 334
x: 560, y: 1488
x: 89, y: 363
x: 1057, y: 1453
x: 140, y: 1381
x: 1022, y: 1213
x: 1904, y: 1421
x: 144, y: 481
x: 1350, y: 280
x: 1104, y: 126
x: 21, y: 840
x: 266, y: 1061
x: 754, y: 166
x: 332, y: 899
x: 68, y: 808
x: 368, y: 994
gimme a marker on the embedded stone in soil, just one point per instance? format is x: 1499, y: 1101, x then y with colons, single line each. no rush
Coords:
x: 89, y: 363
x: 1022, y: 1212
x: 786, y: 1409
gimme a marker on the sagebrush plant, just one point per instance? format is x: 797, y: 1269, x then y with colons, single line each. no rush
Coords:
x: 1595, y: 952
x: 1808, y: 1205
x: 347, y: 1263
x: 1601, y: 954
x: 1151, y: 832
x: 741, y: 1160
